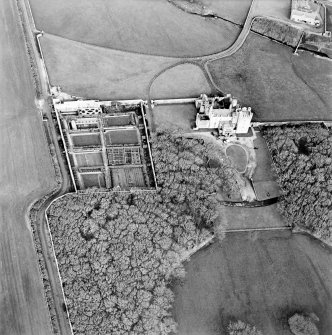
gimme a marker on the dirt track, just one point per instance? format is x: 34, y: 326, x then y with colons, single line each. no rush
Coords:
x: 26, y: 173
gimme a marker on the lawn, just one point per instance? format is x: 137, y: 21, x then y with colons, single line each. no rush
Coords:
x: 264, y: 179
x: 238, y: 155
x: 181, y: 81
x: 260, y: 278
x: 135, y: 26
x: 276, y: 84
x: 98, y: 73
x: 181, y: 116
x: 259, y: 217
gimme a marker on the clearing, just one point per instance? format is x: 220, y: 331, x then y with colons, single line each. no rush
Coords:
x: 260, y: 278
x: 259, y: 72
x: 26, y: 174
x: 136, y: 26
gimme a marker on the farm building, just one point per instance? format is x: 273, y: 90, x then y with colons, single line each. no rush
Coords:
x: 224, y: 114
x: 306, y: 11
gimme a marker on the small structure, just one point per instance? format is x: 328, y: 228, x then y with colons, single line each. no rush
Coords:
x: 306, y: 11
x: 224, y: 114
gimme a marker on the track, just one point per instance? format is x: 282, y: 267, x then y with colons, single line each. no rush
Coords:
x: 26, y: 174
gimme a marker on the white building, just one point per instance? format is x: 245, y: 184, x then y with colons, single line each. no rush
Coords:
x: 82, y: 107
x: 306, y: 11
x: 224, y: 114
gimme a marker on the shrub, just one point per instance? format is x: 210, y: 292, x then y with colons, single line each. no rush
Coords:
x: 241, y: 328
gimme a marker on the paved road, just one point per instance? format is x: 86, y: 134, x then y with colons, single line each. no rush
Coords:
x: 26, y: 173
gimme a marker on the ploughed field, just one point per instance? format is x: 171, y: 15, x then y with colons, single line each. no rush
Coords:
x: 260, y: 278
x: 26, y: 174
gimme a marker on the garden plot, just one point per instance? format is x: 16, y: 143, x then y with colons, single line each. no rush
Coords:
x: 93, y: 180
x: 128, y: 177
x: 122, y: 136
x: 89, y: 159
x: 86, y: 140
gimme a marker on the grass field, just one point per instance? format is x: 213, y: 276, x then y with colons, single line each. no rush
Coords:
x: 182, y: 81
x: 260, y: 278
x: 99, y: 73
x: 136, y: 26
x: 26, y: 174
x: 259, y: 73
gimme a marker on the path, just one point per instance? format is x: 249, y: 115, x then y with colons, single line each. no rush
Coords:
x: 49, y: 258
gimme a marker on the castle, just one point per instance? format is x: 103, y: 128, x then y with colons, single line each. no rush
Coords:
x: 224, y: 114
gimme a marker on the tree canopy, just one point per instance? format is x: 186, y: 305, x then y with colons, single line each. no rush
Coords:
x: 118, y: 252
x: 302, y: 157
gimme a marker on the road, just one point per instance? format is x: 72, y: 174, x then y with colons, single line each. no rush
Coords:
x: 26, y: 174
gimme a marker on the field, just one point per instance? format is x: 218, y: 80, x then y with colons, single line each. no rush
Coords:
x: 259, y: 72
x: 137, y: 26
x: 181, y: 81
x: 26, y: 174
x: 236, y: 11
x: 98, y: 73
x: 260, y: 278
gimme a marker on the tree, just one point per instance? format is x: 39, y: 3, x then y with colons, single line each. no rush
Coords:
x: 300, y: 324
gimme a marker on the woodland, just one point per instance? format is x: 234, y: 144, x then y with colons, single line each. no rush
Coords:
x: 120, y: 252
x: 302, y: 157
